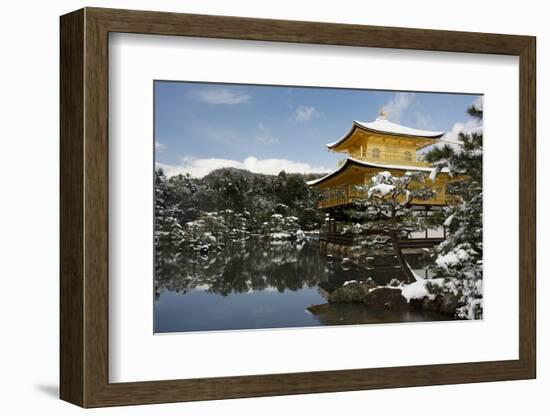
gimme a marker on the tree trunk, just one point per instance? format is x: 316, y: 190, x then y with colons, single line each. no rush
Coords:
x: 401, y: 259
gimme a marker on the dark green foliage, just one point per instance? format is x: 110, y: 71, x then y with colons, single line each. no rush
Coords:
x: 459, y: 258
x: 476, y: 112
x: 466, y: 161
x: 254, y: 195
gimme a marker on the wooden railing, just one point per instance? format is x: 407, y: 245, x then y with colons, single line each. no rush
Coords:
x: 344, y: 199
x: 399, y: 158
x: 334, y: 201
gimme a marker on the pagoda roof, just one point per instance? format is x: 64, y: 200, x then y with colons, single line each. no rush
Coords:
x: 382, y: 125
x: 362, y: 163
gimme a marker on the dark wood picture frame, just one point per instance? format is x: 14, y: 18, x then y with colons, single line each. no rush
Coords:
x: 84, y: 207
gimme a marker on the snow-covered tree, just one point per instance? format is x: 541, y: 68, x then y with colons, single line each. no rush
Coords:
x: 167, y: 226
x: 385, y: 215
x: 280, y: 227
x: 160, y: 198
x: 252, y: 195
x: 459, y: 258
x: 236, y: 223
x: 204, y: 233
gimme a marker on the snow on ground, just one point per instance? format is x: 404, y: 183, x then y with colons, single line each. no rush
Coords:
x: 417, y: 290
x: 417, y: 277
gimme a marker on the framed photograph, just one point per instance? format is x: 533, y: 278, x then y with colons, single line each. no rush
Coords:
x: 254, y: 207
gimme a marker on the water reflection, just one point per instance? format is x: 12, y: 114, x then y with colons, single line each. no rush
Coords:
x: 243, y: 266
x: 257, y: 284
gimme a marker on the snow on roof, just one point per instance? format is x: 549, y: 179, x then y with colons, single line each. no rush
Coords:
x: 372, y: 165
x: 382, y: 125
x: 399, y: 167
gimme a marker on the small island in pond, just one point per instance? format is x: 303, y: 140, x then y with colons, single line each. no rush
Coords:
x: 391, y: 234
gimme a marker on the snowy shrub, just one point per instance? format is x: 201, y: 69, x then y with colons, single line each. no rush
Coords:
x: 282, y: 228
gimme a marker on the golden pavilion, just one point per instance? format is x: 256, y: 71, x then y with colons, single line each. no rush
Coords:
x: 375, y: 147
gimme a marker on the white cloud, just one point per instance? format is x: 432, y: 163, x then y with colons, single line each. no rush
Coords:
x: 450, y: 138
x: 305, y: 113
x: 217, y: 96
x: 473, y: 125
x: 159, y: 146
x: 201, y: 167
x: 397, y: 105
x: 264, y: 136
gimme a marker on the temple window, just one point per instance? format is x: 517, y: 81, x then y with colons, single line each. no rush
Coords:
x: 408, y: 156
x: 376, y: 153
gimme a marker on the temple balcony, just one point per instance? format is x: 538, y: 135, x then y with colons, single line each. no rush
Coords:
x: 396, y: 158
x: 341, y: 199
x: 345, y: 199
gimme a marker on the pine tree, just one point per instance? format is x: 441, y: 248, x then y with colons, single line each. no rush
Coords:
x: 385, y: 215
x: 459, y: 258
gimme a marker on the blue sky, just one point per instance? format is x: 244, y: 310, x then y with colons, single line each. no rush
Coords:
x: 203, y: 126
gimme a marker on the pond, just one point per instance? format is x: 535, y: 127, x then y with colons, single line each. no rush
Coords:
x: 254, y: 284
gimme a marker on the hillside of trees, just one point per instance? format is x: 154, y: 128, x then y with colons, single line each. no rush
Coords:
x: 234, y: 202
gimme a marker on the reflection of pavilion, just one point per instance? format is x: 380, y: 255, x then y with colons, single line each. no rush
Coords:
x: 381, y: 269
x: 375, y: 147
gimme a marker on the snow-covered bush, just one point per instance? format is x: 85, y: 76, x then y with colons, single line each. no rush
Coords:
x: 168, y: 229
x: 236, y: 224
x: 280, y: 227
x: 205, y: 233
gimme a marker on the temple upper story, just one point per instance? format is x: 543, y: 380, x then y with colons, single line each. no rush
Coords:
x: 379, y: 146
x: 382, y: 141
